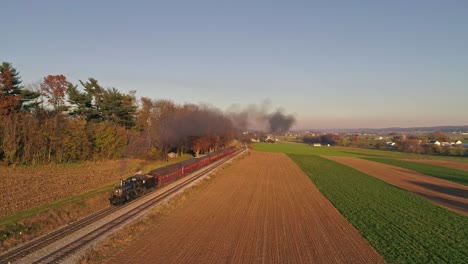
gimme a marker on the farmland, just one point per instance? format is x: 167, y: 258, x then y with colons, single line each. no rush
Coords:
x: 39, y: 199
x: 262, y: 209
x: 401, y: 226
x: 450, y: 195
x: 450, y: 174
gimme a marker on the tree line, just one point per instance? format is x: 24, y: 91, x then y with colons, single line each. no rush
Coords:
x: 59, y: 122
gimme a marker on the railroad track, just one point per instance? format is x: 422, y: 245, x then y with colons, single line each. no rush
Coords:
x: 21, y: 253
x: 43, y: 241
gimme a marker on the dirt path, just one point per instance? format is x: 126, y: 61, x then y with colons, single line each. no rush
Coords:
x: 262, y: 209
x: 443, y: 163
x: 451, y: 195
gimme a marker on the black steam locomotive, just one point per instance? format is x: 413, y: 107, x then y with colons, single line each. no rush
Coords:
x: 132, y: 188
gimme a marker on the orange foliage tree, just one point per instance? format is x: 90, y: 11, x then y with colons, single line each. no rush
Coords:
x: 9, y: 89
x: 53, y: 88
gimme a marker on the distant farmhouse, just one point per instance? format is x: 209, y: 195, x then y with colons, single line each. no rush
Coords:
x: 445, y: 144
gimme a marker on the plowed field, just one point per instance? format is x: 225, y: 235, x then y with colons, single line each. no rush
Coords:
x: 444, y: 163
x: 451, y: 195
x: 261, y: 209
x: 22, y: 188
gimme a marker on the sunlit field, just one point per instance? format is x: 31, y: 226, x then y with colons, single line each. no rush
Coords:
x: 401, y: 226
x: 300, y: 148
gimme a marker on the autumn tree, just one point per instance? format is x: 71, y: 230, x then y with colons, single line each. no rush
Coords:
x: 146, y: 125
x: 215, y: 141
x: 143, y: 119
x: 13, y: 96
x: 200, y: 144
x: 164, y: 112
x: 438, y: 136
x: 53, y: 88
x: 10, y: 89
x: 410, y: 146
x: 108, y: 140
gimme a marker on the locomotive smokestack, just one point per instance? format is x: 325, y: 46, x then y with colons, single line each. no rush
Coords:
x: 121, y: 182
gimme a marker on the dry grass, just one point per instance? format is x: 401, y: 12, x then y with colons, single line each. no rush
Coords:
x: 23, y: 188
x: 47, y: 221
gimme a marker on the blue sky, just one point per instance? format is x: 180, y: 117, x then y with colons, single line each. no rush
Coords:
x: 333, y: 64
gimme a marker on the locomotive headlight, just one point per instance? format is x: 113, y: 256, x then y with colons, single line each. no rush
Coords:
x: 118, y: 192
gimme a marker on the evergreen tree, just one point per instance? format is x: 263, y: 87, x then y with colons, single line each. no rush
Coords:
x: 118, y: 108
x: 14, y: 97
x: 95, y: 92
x: 83, y: 103
x: 10, y: 90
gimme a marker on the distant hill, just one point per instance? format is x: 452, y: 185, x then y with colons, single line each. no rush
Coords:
x: 445, y: 129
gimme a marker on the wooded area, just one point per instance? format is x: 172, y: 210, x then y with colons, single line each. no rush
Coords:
x: 59, y: 122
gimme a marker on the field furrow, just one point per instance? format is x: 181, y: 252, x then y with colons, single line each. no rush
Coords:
x: 262, y: 209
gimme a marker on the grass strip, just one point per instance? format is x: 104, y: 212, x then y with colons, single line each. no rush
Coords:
x: 299, y: 148
x: 445, y: 173
x: 76, y: 199
x: 401, y: 226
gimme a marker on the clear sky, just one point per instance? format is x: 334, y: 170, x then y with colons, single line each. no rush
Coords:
x: 333, y: 64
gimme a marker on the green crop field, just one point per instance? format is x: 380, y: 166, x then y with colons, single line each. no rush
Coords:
x: 401, y: 226
x: 450, y: 174
x: 298, y: 148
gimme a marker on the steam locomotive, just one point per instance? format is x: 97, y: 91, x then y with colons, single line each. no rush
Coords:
x: 132, y: 188
x: 139, y: 184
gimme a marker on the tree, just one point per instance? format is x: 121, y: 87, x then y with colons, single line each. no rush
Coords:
x: 145, y: 121
x: 118, y: 108
x: 76, y: 145
x: 438, y: 136
x: 14, y: 97
x: 87, y: 103
x: 331, y: 139
x: 163, y: 113
x: 95, y: 93
x: 10, y: 89
x: 53, y: 88
x: 200, y: 144
x: 81, y: 101
x: 108, y: 140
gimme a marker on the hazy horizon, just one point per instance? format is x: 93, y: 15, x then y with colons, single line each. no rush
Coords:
x: 336, y: 64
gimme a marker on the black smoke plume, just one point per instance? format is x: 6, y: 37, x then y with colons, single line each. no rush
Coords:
x: 279, y: 122
x: 261, y: 118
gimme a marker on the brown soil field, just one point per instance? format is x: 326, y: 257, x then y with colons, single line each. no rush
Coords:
x: 443, y: 163
x: 260, y: 209
x: 26, y: 187
x: 448, y: 194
